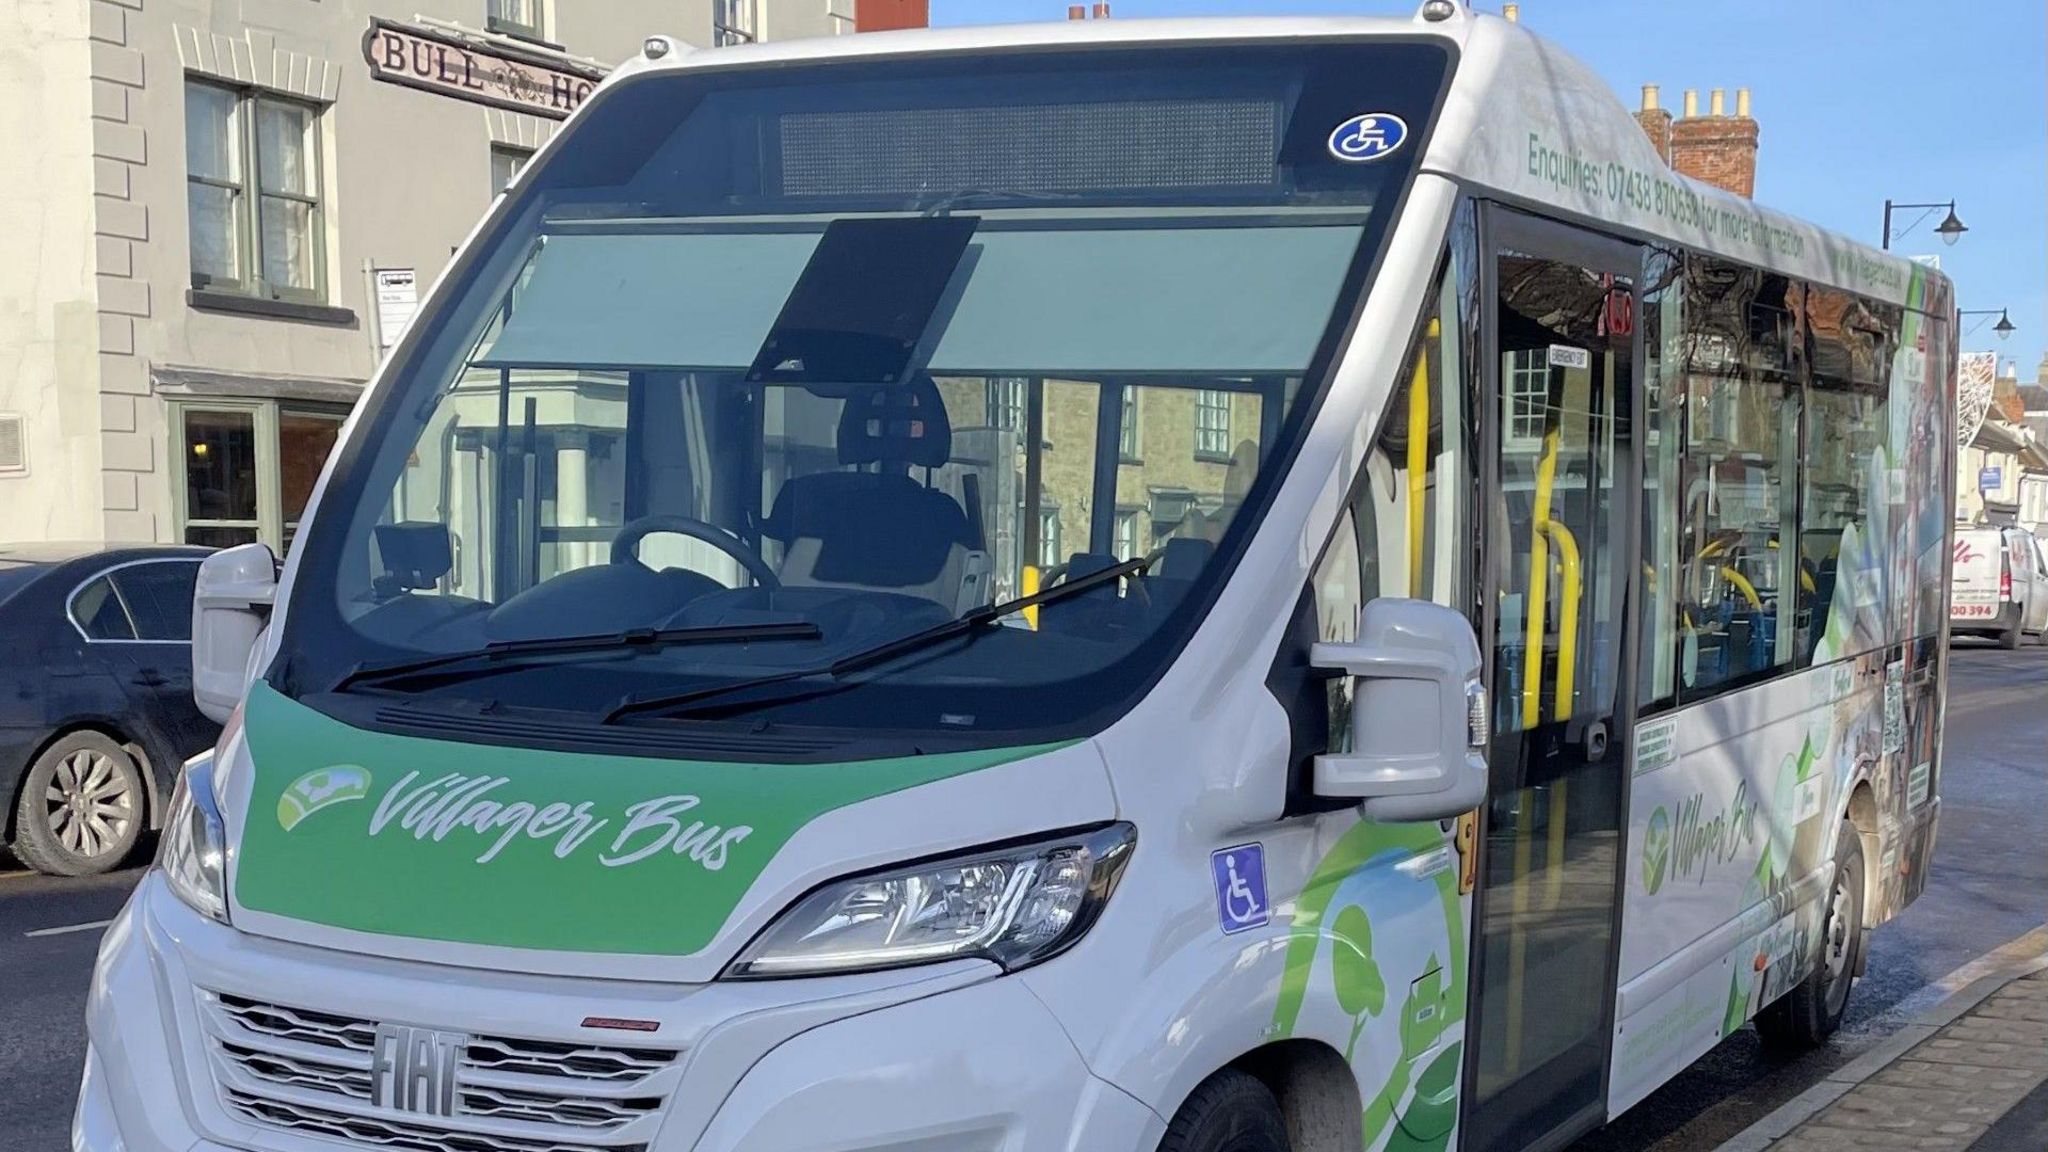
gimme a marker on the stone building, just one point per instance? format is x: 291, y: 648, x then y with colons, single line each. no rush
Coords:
x: 219, y: 213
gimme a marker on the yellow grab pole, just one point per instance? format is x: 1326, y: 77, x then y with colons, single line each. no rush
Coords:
x: 1418, y: 459
x: 1030, y: 588
x: 1539, y: 583
x: 1567, y: 614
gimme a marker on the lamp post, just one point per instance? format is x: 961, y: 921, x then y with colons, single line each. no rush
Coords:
x: 2004, y: 328
x: 1950, y: 230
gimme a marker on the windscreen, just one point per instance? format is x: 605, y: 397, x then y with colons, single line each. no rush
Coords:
x: 862, y: 348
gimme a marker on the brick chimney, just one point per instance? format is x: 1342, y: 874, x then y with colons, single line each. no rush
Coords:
x: 1717, y: 148
x: 1656, y: 123
x: 889, y: 15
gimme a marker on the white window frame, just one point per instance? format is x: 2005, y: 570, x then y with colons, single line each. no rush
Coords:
x: 250, y: 194
x: 1528, y: 397
x: 1212, y: 424
x: 512, y: 25
x: 735, y: 22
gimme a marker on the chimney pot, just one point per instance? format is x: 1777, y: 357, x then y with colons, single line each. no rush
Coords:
x: 1717, y: 102
x: 1513, y: 12
x: 1102, y: 11
x: 1742, y: 103
x: 1649, y: 97
x: 1077, y: 11
x: 1692, y: 103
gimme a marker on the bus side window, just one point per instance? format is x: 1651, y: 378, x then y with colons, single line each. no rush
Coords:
x: 1404, y: 531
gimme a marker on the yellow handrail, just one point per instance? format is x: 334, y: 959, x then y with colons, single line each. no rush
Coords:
x: 1539, y: 583
x: 1418, y: 459
x: 1743, y: 586
x: 1567, y: 613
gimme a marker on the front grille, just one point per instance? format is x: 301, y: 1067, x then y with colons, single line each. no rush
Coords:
x: 311, y: 1071
x: 381, y: 1133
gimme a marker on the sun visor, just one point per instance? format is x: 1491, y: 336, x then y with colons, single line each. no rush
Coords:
x: 1035, y: 301
x: 651, y: 300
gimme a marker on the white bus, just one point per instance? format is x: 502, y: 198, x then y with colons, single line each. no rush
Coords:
x: 1236, y: 585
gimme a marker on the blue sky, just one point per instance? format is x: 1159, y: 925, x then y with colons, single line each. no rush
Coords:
x: 1859, y: 100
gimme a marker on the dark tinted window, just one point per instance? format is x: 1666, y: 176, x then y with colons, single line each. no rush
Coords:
x: 159, y: 598
x: 98, y: 610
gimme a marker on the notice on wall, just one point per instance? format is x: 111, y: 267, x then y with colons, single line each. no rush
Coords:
x: 398, y: 297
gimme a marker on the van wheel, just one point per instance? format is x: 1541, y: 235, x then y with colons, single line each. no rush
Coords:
x: 2011, y: 637
x: 81, y: 807
x: 1230, y: 1112
x: 1806, y: 1016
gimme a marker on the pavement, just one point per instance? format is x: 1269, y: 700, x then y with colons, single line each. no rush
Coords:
x: 1967, y: 1075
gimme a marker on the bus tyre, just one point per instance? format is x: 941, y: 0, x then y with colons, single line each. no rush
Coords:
x: 1806, y: 1016
x: 1230, y: 1112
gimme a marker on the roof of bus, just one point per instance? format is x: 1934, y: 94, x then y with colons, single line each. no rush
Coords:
x: 1524, y: 120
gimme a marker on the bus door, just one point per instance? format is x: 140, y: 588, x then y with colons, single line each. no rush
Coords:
x: 1559, y: 479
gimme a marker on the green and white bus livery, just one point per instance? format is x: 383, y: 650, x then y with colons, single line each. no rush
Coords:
x: 1236, y: 585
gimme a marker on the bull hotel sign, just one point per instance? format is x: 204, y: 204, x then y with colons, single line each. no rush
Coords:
x: 484, y: 72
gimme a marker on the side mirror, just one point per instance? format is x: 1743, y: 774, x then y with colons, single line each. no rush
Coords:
x: 230, y: 608
x: 1419, y: 724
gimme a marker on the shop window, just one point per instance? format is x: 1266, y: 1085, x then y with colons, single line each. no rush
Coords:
x: 253, y: 194
x: 246, y: 470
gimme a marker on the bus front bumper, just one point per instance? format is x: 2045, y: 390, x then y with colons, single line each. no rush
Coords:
x: 951, y: 1057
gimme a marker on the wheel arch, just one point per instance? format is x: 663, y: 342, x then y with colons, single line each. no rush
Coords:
x: 1861, y: 813
x: 1318, y: 1093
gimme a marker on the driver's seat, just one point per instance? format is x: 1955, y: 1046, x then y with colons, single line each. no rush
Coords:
x: 882, y: 530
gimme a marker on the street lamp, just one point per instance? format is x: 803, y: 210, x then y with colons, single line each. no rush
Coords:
x: 1950, y: 230
x: 2004, y: 328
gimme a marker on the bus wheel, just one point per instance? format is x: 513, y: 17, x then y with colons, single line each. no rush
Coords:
x: 1230, y: 1112
x: 1806, y: 1016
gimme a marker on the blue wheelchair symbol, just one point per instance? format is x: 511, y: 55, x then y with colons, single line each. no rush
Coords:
x: 1372, y: 136
x: 1240, y: 875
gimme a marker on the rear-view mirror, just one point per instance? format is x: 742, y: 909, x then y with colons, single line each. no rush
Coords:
x: 1418, y: 720
x: 230, y: 608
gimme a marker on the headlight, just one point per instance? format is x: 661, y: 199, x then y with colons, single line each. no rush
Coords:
x: 1015, y: 906
x: 195, y: 844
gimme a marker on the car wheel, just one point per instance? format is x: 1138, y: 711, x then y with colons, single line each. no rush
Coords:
x: 81, y: 807
x: 1229, y: 1112
x: 1807, y: 1015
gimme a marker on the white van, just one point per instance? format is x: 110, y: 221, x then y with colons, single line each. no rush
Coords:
x: 1998, y: 585
x: 1103, y: 585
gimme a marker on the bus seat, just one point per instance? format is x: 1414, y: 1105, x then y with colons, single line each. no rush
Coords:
x: 881, y: 529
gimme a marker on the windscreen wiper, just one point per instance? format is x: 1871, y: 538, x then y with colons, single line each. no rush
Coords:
x: 505, y: 655
x: 883, y: 653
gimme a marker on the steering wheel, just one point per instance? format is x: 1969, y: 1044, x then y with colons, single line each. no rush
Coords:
x: 626, y: 545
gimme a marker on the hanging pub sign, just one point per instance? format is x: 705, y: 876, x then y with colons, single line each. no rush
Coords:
x: 478, y: 70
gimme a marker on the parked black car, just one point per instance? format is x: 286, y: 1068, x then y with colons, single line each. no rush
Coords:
x: 96, y: 711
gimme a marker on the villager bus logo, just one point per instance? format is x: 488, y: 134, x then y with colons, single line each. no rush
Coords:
x: 473, y: 810
x: 321, y: 788
x: 1656, y: 849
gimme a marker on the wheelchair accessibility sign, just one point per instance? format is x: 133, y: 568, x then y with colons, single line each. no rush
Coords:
x: 1372, y: 136
x: 1240, y: 875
